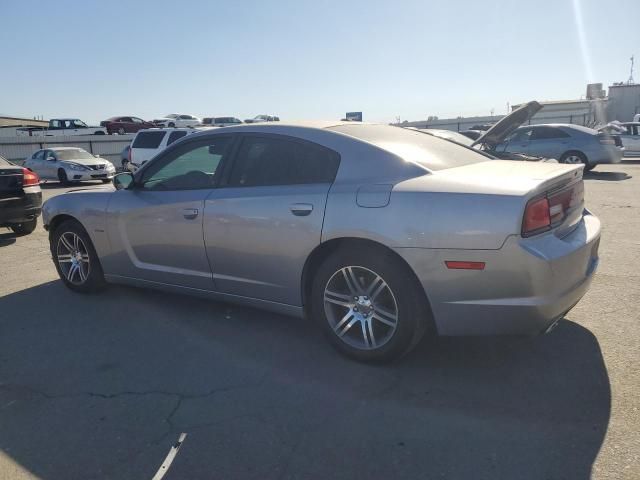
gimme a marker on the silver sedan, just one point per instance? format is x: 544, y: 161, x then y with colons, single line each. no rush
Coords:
x: 379, y: 234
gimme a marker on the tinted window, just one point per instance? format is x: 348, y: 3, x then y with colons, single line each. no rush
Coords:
x: 277, y: 161
x: 148, y: 139
x: 188, y: 167
x: 429, y: 151
x: 544, y: 133
x: 173, y: 136
x: 38, y: 155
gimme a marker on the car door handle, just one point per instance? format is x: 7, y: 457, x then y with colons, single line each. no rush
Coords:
x: 190, y: 213
x: 301, y: 209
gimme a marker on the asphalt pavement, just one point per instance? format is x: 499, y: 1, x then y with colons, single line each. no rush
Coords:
x: 102, y: 386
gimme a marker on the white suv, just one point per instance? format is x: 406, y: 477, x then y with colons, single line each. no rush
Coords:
x: 147, y: 143
x: 178, y: 120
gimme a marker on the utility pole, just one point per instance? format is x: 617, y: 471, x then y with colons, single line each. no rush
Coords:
x: 630, y: 81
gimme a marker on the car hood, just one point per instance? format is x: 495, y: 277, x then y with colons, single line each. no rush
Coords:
x: 507, y: 125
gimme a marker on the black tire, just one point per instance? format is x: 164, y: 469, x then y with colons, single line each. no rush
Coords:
x: 172, y: 125
x: 570, y: 158
x: 62, y: 177
x: 25, y: 228
x: 413, y: 317
x: 98, y: 133
x: 93, y: 277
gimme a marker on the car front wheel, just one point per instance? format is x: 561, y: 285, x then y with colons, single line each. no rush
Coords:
x: 369, y: 305
x: 75, y: 258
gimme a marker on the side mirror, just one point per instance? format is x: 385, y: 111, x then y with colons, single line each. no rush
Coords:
x: 123, y: 181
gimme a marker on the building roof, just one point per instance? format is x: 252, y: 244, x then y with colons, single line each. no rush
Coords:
x: 7, y: 121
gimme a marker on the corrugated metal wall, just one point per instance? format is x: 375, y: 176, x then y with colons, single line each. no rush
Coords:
x: 17, y: 149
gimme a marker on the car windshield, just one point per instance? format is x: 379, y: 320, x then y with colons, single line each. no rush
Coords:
x: 427, y: 150
x: 171, y: 115
x: 75, y: 154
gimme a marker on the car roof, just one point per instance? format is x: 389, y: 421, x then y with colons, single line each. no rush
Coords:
x: 561, y: 125
x: 57, y: 149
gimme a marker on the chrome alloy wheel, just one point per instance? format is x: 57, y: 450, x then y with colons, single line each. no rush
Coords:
x: 360, y: 307
x: 73, y: 258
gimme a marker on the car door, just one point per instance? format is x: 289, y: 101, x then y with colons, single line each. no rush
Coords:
x: 266, y: 217
x: 155, y: 227
x: 518, y: 142
x: 50, y: 165
x: 36, y: 163
x: 548, y: 142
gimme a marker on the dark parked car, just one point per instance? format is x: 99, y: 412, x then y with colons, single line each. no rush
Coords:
x: 20, y: 198
x: 122, y: 125
x: 221, y: 121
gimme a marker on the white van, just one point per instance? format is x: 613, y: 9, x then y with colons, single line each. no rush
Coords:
x: 149, y: 142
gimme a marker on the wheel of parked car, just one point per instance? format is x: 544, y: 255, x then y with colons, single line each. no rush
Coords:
x: 25, y: 228
x: 172, y: 125
x: 121, y: 131
x: 75, y: 258
x: 369, y: 304
x: 576, y: 158
x: 62, y: 177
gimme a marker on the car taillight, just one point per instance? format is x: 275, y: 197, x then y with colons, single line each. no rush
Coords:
x: 541, y: 214
x: 29, y: 178
x: 536, y: 217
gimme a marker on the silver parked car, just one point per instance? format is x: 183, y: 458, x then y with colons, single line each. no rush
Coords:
x: 380, y: 234
x: 567, y: 143
x: 69, y: 164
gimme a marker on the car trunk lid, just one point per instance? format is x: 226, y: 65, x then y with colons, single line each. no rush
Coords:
x: 10, y: 181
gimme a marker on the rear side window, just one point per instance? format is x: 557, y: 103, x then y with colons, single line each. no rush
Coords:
x: 173, y: 136
x: 545, y: 133
x: 426, y: 150
x: 263, y: 161
x: 148, y: 139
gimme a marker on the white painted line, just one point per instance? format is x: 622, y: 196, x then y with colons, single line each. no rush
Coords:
x: 164, y: 468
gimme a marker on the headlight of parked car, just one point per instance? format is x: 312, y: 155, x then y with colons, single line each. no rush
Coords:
x: 110, y: 166
x: 77, y: 167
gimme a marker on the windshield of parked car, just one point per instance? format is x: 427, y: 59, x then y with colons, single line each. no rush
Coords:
x: 429, y: 151
x: 75, y: 154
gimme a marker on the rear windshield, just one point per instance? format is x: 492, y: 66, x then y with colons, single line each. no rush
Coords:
x: 4, y: 162
x: 429, y: 151
x: 78, y: 154
x: 148, y: 139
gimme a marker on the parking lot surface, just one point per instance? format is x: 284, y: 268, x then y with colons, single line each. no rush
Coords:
x: 101, y: 386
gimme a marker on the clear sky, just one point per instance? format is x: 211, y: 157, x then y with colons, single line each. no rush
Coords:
x: 306, y: 59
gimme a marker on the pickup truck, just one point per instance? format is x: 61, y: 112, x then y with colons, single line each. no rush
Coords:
x: 61, y: 126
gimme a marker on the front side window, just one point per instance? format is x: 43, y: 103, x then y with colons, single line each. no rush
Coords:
x: 173, y: 136
x: 55, y: 124
x: 80, y: 124
x: 38, y: 155
x: 521, y: 135
x: 137, y: 120
x: 189, y: 167
x: 263, y: 161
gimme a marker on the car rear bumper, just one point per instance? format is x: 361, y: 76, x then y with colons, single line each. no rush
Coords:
x: 525, y: 287
x: 20, y: 209
x: 608, y: 154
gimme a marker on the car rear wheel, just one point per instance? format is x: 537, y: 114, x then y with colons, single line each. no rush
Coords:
x: 369, y: 306
x: 25, y: 228
x: 576, y: 158
x: 75, y: 258
x: 172, y: 125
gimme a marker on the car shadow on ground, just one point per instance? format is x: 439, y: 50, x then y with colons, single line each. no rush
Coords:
x: 7, y: 238
x: 609, y: 176
x: 100, y: 386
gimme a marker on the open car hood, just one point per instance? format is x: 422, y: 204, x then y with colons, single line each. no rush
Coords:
x: 507, y: 125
